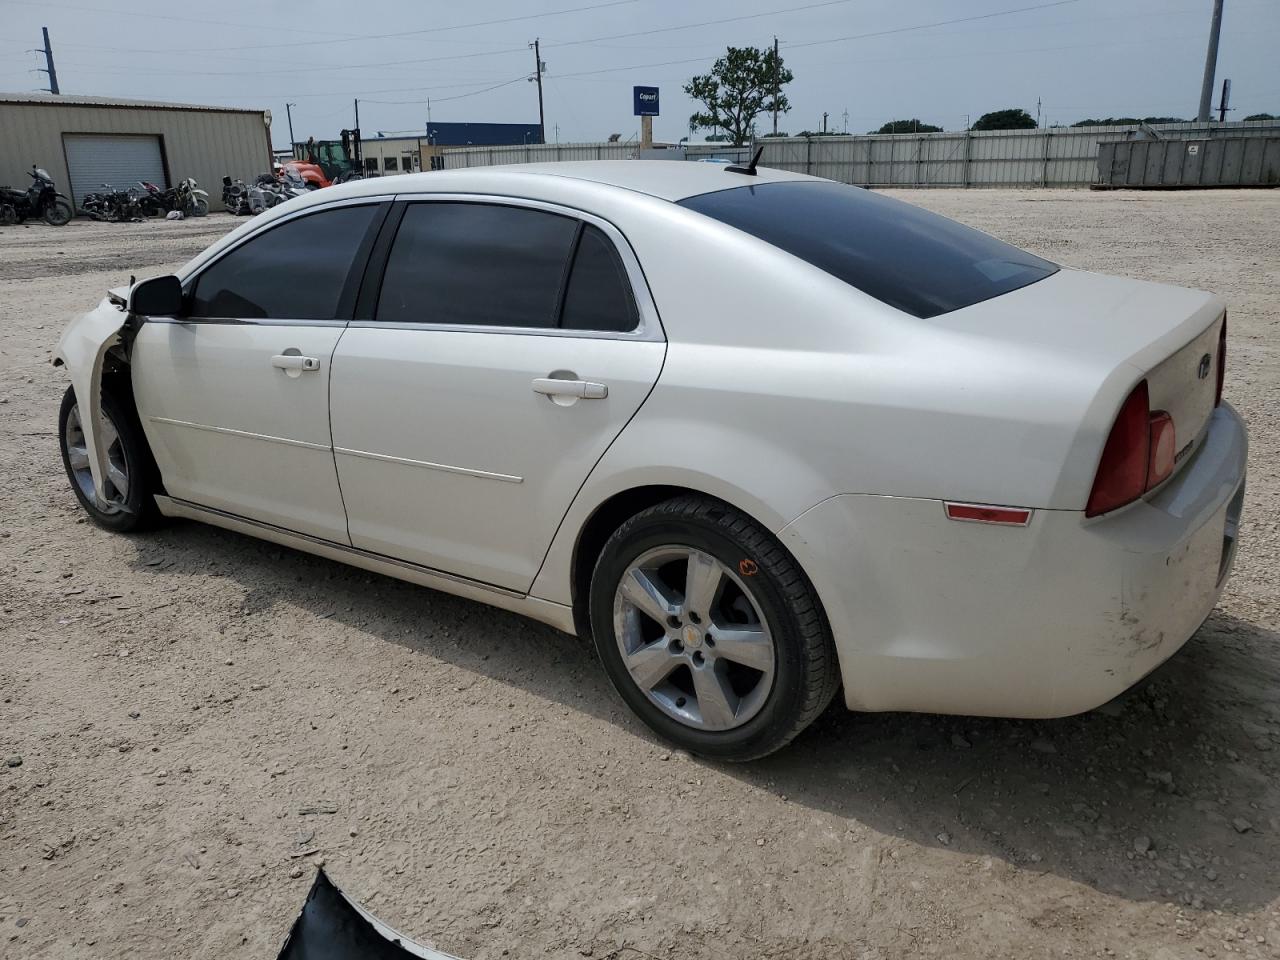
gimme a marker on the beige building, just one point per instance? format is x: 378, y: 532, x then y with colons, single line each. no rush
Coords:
x: 387, y: 156
x: 84, y: 142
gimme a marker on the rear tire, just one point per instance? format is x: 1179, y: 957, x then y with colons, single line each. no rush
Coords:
x: 130, y: 460
x: 689, y: 650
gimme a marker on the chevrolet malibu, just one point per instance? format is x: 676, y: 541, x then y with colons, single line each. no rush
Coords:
x: 762, y: 436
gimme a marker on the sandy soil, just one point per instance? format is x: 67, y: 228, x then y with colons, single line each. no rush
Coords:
x: 177, y: 700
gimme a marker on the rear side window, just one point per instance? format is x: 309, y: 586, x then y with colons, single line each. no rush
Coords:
x: 909, y: 258
x: 296, y: 271
x: 599, y: 295
x: 477, y: 264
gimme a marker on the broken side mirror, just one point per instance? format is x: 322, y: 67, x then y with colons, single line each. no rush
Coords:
x: 157, y: 297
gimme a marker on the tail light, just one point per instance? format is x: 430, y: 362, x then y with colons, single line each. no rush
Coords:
x: 1222, y: 360
x: 1138, y: 455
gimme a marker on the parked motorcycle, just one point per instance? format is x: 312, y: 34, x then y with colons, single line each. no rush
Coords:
x: 235, y: 196
x: 190, y: 199
x: 152, y: 201
x: 40, y: 199
x: 186, y: 197
x: 115, y: 206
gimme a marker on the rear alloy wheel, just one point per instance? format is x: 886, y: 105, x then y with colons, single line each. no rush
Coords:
x: 710, y: 631
x: 130, y: 481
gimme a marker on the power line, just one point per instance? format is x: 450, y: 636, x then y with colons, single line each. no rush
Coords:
x: 293, y: 71
x: 812, y: 43
x: 162, y: 16
x: 704, y: 23
x: 416, y: 33
x: 459, y: 96
x: 926, y: 26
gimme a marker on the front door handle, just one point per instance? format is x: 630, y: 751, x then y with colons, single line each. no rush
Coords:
x: 293, y: 363
x: 581, y: 389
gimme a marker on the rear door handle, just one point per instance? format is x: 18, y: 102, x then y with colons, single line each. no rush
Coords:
x: 582, y: 389
x: 293, y: 362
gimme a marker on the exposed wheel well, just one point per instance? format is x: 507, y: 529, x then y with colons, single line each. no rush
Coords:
x: 607, y: 518
x: 117, y: 381
x: 599, y: 527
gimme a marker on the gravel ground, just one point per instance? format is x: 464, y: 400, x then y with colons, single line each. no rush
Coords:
x: 171, y: 705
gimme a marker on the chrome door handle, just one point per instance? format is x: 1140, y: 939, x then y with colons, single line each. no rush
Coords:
x: 289, y: 361
x: 581, y: 389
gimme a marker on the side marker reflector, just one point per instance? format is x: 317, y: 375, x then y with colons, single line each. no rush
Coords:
x: 978, y: 513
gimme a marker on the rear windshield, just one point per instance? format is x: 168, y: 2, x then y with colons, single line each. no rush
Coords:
x: 909, y: 258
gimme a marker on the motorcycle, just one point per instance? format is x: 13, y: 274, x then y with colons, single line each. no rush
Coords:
x: 115, y: 206
x: 41, y: 199
x: 152, y: 201
x: 235, y: 196
x: 186, y: 197
x: 190, y: 199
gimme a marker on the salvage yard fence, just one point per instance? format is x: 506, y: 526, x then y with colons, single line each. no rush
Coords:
x: 1052, y: 157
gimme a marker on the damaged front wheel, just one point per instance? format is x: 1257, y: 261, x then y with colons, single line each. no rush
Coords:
x: 130, y: 485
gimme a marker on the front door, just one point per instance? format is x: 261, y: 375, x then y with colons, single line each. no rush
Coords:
x: 507, y: 351
x: 234, y: 395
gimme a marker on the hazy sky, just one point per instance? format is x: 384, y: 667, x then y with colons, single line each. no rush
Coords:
x: 1079, y: 57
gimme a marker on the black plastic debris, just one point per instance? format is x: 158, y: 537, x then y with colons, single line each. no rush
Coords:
x: 334, y: 927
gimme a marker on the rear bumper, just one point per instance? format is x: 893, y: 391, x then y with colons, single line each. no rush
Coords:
x: 1055, y: 618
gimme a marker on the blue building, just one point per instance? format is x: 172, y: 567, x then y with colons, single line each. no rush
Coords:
x: 400, y: 152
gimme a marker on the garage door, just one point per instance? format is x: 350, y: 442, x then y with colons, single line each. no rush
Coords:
x: 121, y: 161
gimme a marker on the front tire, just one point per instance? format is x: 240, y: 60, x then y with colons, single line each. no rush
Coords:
x: 58, y: 213
x: 132, y: 478
x: 710, y: 631
x: 198, y: 207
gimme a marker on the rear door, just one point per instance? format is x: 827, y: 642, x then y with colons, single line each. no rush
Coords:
x: 509, y: 345
x: 234, y: 396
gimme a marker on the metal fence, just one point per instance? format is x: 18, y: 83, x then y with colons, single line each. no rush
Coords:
x: 1054, y: 157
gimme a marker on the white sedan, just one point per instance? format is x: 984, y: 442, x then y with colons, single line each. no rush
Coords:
x: 762, y: 436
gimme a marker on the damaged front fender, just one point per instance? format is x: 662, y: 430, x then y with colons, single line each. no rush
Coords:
x: 83, y: 350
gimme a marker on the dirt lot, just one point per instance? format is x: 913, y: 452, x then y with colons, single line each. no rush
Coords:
x: 177, y: 699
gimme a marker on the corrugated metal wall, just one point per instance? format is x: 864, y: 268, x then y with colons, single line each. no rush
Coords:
x: 1056, y: 157
x: 1222, y: 162
x: 204, y: 144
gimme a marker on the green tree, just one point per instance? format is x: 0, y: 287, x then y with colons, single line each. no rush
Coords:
x: 908, y: 126
x: 1011, y: 119
x: 1262, y: 116
x: 738, y: 89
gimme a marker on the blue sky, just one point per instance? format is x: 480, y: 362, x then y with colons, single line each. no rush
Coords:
x: 1077, y: 57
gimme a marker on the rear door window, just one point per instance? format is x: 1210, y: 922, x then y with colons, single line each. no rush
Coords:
x: 907, y: 257
x: 295, y: 271
x: 599, y: 294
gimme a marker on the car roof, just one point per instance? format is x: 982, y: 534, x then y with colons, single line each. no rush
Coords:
x: 665, y: 179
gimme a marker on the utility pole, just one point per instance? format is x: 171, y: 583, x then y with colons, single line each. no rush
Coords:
x: 824, y: 121
x: 357, y: 103
x: 1037, y: 112
x: 845, y: 117
x: 288, y: 112
x: 48, y: 59
x: 1210, y: 63
x: 775, y: 86
x: 1226, y: 98
x: 538, y: 67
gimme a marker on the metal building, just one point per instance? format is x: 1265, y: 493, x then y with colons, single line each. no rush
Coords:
x: 85, y: 142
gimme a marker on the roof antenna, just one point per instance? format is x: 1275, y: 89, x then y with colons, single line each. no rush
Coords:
x: 750, y: 168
